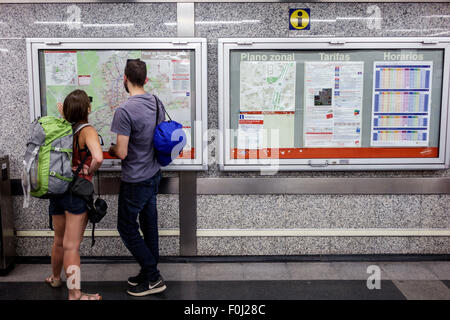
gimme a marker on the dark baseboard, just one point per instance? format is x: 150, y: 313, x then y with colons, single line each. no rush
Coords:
x: 4, y: 272
x: 238, y: 259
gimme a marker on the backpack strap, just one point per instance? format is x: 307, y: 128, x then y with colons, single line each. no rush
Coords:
x: 78, y: 127
x: 80, y: 166
x: 77, y: 130
x: 27, y: 186
x: 88, y: 153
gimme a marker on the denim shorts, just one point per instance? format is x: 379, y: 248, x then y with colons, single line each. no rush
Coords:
x: 67, y: 202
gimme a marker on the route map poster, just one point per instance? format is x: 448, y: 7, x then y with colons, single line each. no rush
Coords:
x: 100, y: 74
x: 267, y: 103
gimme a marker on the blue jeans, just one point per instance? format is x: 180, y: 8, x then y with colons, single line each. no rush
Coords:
x: 139, y: 200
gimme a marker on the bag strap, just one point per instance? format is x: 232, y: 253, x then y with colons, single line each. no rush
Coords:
x: 92, y: 235
x: 79, y: 168
x: 93, y: 204
x: 157, y: 111
x: 88, y: 153
x: 98, y: 184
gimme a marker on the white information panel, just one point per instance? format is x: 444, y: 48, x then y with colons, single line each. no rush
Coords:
x: 334, y: 104
x: 176, y: 72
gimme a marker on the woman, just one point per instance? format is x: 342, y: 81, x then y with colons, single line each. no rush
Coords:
x: 69, y: 212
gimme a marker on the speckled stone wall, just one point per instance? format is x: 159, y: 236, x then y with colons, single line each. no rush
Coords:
x: 18, y: 22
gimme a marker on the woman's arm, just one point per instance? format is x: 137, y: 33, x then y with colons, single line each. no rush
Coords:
x: 59, y: 105
x: 93, y: 144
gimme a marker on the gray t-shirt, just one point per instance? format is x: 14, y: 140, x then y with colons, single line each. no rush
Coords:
x: 136, y: 118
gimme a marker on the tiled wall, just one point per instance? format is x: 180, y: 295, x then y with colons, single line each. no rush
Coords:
x: 20, y: 21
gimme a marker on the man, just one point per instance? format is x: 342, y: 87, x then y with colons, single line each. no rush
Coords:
x: 134, y: 122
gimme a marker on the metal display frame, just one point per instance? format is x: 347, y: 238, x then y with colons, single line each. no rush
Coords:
x: 226, y: 45
x: 199, y: 45
x: 200, y: 1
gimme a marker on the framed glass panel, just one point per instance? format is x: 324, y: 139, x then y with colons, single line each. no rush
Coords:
x: 336, y: 104
x: 175, y: 73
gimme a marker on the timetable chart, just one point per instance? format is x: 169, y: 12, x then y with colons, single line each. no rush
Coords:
x: 416, y: 120
x: 400, y: 137
x: 403, y: 76
x: 405, y: 101
x: 401, y: 103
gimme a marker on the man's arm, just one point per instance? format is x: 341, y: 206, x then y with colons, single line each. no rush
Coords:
x: 120, y: 150
x: 121, y: 125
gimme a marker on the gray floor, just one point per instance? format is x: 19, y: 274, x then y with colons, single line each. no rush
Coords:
x: 415, y: 280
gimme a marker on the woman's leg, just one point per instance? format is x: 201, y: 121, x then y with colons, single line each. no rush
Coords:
x: 75, y: 226
x: 59, y: 225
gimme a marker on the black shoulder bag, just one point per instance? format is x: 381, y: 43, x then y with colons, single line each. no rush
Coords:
x: 84, y: 189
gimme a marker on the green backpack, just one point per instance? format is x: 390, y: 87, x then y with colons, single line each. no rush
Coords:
x: 48, y: 159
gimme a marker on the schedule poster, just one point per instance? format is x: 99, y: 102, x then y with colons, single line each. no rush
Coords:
x: 401, y: 104
x: 333, y: 104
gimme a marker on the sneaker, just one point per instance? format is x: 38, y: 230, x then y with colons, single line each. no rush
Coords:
x: 145, y: 288
x: 134, y: 281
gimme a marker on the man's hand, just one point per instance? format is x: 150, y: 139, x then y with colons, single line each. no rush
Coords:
x: 120, y: 150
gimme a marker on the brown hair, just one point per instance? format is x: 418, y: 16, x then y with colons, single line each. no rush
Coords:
x: 136, y: 72
x: 76, y: 106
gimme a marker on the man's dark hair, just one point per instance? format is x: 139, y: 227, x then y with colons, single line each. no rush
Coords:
x: 136, y: 72
x: 76, y: 106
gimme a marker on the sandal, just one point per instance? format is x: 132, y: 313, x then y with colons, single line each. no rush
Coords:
x: 89, y: 296
x: 52, y: 282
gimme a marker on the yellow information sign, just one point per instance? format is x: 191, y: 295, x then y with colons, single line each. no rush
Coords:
x: 299, y: 19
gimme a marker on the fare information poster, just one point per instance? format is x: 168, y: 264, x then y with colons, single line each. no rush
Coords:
x: 401, y: 103
x: 333, y: 104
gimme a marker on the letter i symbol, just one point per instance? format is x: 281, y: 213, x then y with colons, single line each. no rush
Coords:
x: 299, y: 19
